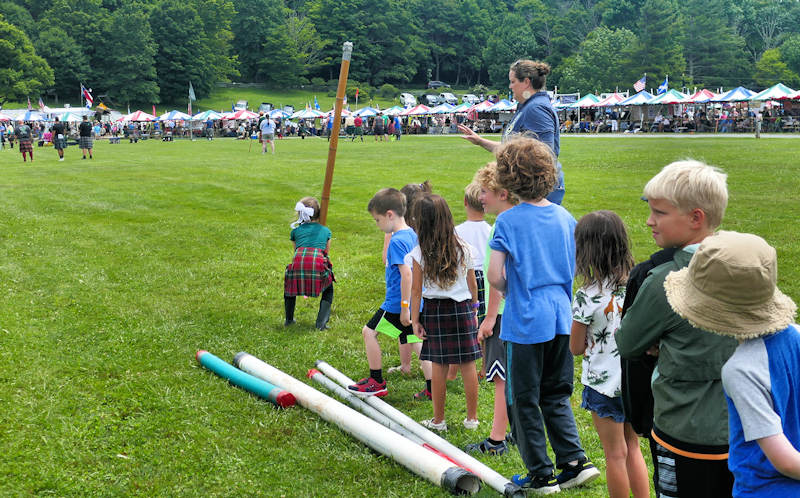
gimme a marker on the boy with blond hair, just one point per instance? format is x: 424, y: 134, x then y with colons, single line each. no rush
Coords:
x: 687, y: 200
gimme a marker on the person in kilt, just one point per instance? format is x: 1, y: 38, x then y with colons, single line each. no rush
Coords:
x: 310, y: 273
x: 85, y: 140
x: 25, y: 138
x: 448, y: 322
x: 59, y: 138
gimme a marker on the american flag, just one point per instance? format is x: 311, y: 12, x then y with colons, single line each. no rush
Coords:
x: 639, y: 85
x: 87, y: 96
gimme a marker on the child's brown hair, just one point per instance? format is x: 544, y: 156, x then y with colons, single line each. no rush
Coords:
x: 313, y: 203
x: 526, y: 167
x: 388, y: 199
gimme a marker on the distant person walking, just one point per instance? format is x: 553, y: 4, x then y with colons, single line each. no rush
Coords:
x: 25, y: 139
x: 535, y: 115
x: 85, y: 140
x: 267, y: 132
x: 59, y: 138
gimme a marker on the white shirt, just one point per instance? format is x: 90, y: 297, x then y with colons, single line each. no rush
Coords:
x: 476, y: 234
x: 458, y: 292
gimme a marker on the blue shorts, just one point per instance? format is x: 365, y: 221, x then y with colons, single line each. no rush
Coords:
x: 602, y: 405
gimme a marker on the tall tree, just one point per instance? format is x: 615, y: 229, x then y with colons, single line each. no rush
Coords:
x: 596, y: 65
x: 770, y: 69
x: 70, y: 64
x: 790, y: 52
x: 254, y: 24
x: 298, y: 47
x: 22, y: 72
x: 130, y: 71
x: 512, y: 39
x: 658, y: 50
x: 19, y: 17
x: 714, y: 52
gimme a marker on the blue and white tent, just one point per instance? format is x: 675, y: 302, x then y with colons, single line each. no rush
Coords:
x: 738, y: 94
x: 640, y: 98
x: 366, y: 112
x: 174, y: 115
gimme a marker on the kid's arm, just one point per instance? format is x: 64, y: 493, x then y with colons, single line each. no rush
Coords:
x: 472, y: 283
x: 416, y: 297
x: 781, y: 454
x: 497, y: 261
x: 328, y: 246
x: 577, y: 338
x: 405, y: 291
x: 386, y: 238
x: 492, y: 307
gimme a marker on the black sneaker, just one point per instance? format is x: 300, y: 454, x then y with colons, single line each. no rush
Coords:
x: 510, y: 439
x: 581, y: 473
x: 543, y: 485
x: 487, y: 448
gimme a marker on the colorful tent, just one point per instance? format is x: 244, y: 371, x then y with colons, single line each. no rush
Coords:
x: 138, y: 116
x: 304, y: 114
x: 206, y: 115
x: 671, y: 96
x: 442, y: 109
x: 174, y: 115
x: 279, y: 114
x: 795, y: 95
x: 462, y: 107
x: 612, y: 100
x: 366, y: 112
x: 71, y: 117
x: 482, y: 106
x: 503, y: 105
x: 345, y: 113
x: 418, y: 110
x: 738, y: 94
x: 4, y: 117
x: 392, y: 111
x: 640, y: 98
x: 588, y: 100
x: 774, y: 92
x: 242, y: 114
x: 701, y: 97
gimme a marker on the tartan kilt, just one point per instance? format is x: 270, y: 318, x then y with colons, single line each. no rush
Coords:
x: 309, y: 273
x: 60, y: 143
x: 86, y: 142
x: 451, y: 332
x: 25, y: 145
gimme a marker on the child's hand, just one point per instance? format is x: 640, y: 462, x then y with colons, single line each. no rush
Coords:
x: 405, y: 316
x: 419, y: 331
x: 486, y: 328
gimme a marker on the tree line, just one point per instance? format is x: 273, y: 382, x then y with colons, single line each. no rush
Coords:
x: 147, y: 51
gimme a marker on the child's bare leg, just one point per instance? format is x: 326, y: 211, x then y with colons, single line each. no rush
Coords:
x: 612, y: 438
x: 405, y: 356
x: 637, y: 469
x: 425, y: 365
x: 438, y: 390
x: 452, y: 372
x: 470, y: 377
x: 372, y: 347
x: 500, y: 416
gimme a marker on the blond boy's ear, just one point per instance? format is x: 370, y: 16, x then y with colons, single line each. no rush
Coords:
x: 698, y: 219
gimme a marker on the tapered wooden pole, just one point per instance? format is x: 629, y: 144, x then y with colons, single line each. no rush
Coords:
x: 347, y: 50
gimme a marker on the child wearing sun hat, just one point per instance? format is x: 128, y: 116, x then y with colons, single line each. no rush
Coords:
x: 729, y: 288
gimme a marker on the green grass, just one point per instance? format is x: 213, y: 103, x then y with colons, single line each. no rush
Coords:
x: 116, y: 271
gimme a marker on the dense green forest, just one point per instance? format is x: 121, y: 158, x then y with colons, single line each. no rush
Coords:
x: 147, y: 51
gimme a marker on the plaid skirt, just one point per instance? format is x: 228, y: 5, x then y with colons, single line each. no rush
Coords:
x: 25, y: 145
x: 86, y: 142
x: 60, y: 143
x: 309, y: 273
x: 451, y: 332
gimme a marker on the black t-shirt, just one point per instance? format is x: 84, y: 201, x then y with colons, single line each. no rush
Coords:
x: 58, y: 129
x: 85, y: 129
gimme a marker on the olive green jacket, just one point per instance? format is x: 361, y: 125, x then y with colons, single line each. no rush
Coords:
x: 689, y: 404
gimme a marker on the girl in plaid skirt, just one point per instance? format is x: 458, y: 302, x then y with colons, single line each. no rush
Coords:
x: 310, y: 273
x: 448, y: 323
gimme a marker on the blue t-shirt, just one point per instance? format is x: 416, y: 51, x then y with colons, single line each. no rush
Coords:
x: 267, y: 127
x: 536, y: 115
x: 401, y: 243
x: 762, y: 382
x: 539, y: 244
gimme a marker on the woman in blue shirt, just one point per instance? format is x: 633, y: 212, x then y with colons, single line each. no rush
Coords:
x: 535, y: 115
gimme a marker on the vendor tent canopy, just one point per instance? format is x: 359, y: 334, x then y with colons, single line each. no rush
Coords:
x: 242, y: 114
x: 305, y: 114
x: 279, y: 114
x: 588, y: 100
x: 482, y: 106
x: 795, y: 95
x: 701, y: 97
x: 612, y: 100
x: 671, y: 96
x: 174, y: 115
x: 206, y: 115
x: 738, y: 94
x: 462, y: 107
x: 442, y: 109
x: 774, y: 92
x: 70, y: 117
x: 345, y: 113
x: 392, y: 111
x: 138, y: 116
x: 417, y: 110
x: 4, y: 117
x: 503, y: 106
x: 640, y: 98
x: 366, y: 112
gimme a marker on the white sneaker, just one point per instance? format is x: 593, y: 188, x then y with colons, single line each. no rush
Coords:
x: 434, y: 426
x: 471, y: 424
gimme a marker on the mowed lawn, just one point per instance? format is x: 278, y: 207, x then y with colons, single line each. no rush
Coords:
x: 115, y: 271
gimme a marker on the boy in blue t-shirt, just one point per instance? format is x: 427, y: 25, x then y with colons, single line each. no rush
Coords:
x: 393, y: 318
x: 729, y: 289
x: 534, y: 243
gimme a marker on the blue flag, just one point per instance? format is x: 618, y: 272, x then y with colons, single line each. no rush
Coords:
x: 663, y: 87
x: 316, y: 104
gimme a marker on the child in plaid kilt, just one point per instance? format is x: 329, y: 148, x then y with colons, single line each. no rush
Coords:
x: 448, y: 322
x: 310, y: 273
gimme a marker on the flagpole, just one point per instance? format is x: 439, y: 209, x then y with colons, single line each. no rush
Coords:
x: 347, y: 50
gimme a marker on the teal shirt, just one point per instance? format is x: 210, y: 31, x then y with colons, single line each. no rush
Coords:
x: 311, y: 234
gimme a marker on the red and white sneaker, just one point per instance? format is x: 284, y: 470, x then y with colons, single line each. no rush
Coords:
x: 368, y: 387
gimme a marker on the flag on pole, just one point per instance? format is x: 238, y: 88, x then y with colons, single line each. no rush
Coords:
x: 42, y: 107
x: 192, y: 96
x: 154, y: 110
x: 316, y: 104
x: 639, y: 85
x: 29, y: 104
x: 356, y: 93
x: 87, y: 95
x: 102, y: 106
x: 663, y: 87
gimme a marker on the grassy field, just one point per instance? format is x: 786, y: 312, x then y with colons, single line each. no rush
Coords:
x: 115, y: 271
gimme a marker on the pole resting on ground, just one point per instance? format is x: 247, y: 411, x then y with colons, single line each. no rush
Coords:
x: 259, y: 387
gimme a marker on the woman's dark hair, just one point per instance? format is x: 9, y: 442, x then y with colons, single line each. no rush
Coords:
x: 442, y: 253
x: 536, y: 71
x: 602, y: 249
